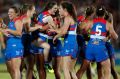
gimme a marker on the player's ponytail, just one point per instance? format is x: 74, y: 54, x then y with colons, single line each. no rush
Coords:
x: 24, y: 8
x: 70, y: 9
x: 100, y: 11
x: 89, y: 11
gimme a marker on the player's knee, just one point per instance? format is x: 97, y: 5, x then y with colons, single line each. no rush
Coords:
x: 47, y: 46
x: 72, y: 71
x: 108, y: 70
x: 15, y: 70
x: 65, y: 69
x: 107, y: 67
x: 30, y: 67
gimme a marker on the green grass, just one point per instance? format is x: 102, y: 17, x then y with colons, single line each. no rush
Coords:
x: 5, y: 75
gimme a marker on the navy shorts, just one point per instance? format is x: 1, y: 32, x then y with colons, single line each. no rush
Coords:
x: 26, y: 41
x: 38, y: 50
x: 110, y: 49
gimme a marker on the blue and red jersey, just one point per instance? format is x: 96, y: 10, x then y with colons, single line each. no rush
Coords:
x: 80, y: 19
x: 41, y: 16
x: 21, y: 18
x: 11, y: 25
x: 72, y: 29
x: 12, y: 39
x: 99, y: 28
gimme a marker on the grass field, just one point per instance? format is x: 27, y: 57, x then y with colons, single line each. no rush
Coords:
x: 4, y: 74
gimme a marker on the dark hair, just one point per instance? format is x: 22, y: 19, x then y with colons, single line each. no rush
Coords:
x: 49, y: 5
x: 100, y: 11
x: 24, y: 8
x: 15, y: 9
x: 56, y: 14
x: 70, y: 9
x: 89, y: 11
x: 107, y: 16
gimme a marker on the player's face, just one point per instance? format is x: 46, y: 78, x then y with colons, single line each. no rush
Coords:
x: 61, y: 11
x: 11, y: 13
x: 54, y: 9
x: 31, y: 12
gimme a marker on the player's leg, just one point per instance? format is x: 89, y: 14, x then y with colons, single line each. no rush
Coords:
x: 27, y: 56
x: 72, y: 69
x: 113, y: 71
x: 57, y: 67
x: 89, y: 72
x: 100, y: 71
x: 106, y: 68
x: 40, y: 66
x: 74, y: 53
x: 111, y: 53
x: 66, y: 66
x: 22, y: 67
x: 83, y: 68
x: 13, y: 66
x: 52, y: 52
x: 103, y: 58
x: 57, y: 58
x: 46, y: 47
x: 86, y: 61
x: 30, y: 61
x: 9, y: 64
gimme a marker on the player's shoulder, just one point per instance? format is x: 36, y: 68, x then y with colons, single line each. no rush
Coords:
x: 69, y: 20
x: 26, y: 19
x: 108, y: 23
x: 90, y: 21
x: 17, y: 19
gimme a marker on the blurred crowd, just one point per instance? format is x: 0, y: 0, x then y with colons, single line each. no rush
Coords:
x: 111, y: 5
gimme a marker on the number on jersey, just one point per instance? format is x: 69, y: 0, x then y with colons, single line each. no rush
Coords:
x: 98, y: 30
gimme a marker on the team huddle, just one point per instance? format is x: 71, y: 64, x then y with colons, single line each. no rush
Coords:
x: 56, y: 35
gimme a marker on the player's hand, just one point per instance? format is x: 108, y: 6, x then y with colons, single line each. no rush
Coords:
x: 4, y: 26
x: 51, y: 30
x: 50, y: 25
x: 6, y: 32
x: 105, y: 39
x: 40, y: 27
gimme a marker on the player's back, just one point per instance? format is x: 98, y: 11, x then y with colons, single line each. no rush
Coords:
x: 96, y: 50
x: 98, y: 30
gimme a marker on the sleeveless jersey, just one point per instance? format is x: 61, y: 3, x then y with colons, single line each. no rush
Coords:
x: 99, y: 29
